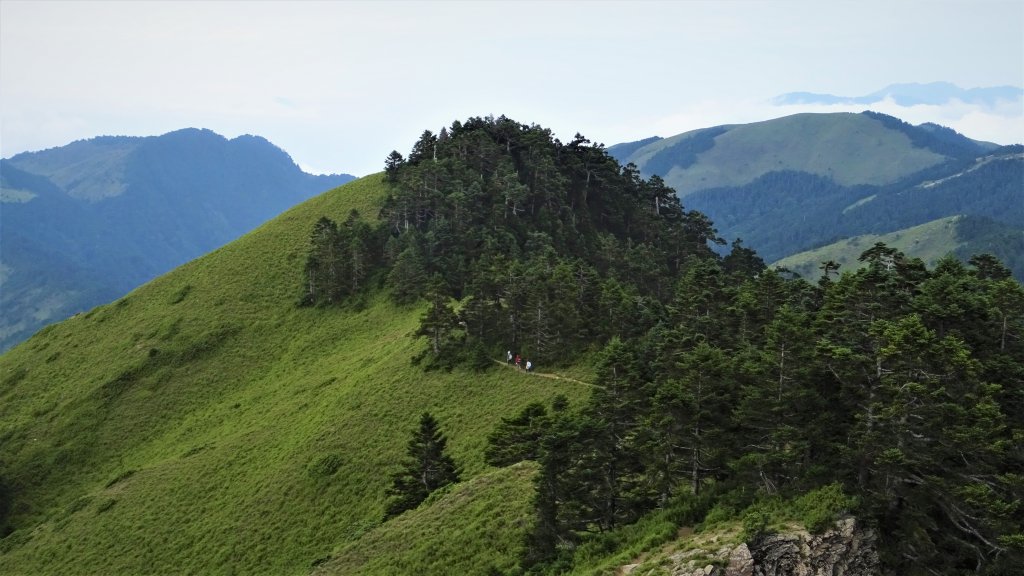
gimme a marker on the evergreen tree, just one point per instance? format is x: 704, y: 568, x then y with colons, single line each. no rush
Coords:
x: 779, y: 409
x: 358, y: 241
x: 742, y: 260
x: 932, y: 451
x: 408, y: 276
x: 426, y: 468
x: 701, y: 396
x: 424, y: 149
x: 518, y: 438
x: 392, y: 165
x: 324, y: 264
x: 440, y: 325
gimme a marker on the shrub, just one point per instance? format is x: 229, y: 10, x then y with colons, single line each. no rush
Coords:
x: 819, y: 508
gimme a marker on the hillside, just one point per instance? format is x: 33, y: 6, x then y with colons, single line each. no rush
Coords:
x: 85, y: 223
x: 184, y: 427
x: 786, y: 212
x: 849, y: 149
x: 958, y: 235
x: 801, y: 182
x: 247, y: 412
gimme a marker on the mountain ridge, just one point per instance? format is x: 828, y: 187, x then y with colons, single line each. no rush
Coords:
x: 129, y: 208
x: 828, y: 144
x: 847, y: 175
x: 911, y: 94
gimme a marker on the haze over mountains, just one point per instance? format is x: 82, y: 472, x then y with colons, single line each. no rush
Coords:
x: 800, y: 182
x: 85, y: 223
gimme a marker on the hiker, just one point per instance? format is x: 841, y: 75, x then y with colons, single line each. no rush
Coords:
x: 519, y: 361
x: 529, y: 366
x: 508, y: 357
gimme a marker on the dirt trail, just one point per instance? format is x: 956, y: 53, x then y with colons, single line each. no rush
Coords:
x: 548, y: 375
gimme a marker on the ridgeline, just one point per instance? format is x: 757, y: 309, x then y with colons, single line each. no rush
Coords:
x: 247, y: 413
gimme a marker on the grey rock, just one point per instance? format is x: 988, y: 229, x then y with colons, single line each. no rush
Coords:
x: 847, y: 549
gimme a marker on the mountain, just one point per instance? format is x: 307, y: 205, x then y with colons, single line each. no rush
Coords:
x: 963, y: 236
x: 186, y: 426
x: 912, y: 94
x: 850, y: 149
x: 255, y: 410
x: 800, y: 182
x: 85, y: 223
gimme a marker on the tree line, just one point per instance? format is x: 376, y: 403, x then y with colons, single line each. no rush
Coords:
x: 515, y: 240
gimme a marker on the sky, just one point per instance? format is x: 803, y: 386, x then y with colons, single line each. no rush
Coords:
x: 339, y: 84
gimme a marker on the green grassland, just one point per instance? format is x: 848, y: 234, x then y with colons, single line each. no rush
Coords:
x: 206, y: 424
x: 831, y: 145
x: 929, y: 242
x: 475, y: 527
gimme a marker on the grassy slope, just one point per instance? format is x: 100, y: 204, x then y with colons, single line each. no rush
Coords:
x: 850, y: 148
x: 475, y: 528
x: 929, y: 242
x: 176, y: 430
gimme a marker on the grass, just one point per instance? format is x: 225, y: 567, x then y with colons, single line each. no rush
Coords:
x: 929, y: 242
x: 476, y: 527
x: 850, y: 148
x: 205, y: 424
x: 671, y: 541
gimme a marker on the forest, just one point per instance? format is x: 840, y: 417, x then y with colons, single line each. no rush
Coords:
x: 814, y: 210
x: 895, y: 392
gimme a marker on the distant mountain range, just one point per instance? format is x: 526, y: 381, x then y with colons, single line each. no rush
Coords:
x: 85, y: 223
x: 912, y: 94
x: 805, y: 181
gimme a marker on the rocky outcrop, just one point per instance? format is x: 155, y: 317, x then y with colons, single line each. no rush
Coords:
x: 848, y: 549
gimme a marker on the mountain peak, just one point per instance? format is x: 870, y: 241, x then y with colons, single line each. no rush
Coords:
x: 125, y: 209
x: 911, y: 94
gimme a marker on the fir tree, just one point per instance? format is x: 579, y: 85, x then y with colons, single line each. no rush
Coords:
x: 392, y: 165
x: 426, y: 468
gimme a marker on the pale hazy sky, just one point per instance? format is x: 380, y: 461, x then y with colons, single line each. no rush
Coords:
x: 339, y: 84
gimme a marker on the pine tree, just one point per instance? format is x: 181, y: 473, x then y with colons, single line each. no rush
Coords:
x: 358, y: 259
x: 743, y: 261
x: 440, y: 324
x: 323, y: 266
x: 424, y: 148
x: 440, y: 319
x: 426, y: 468
x: 517, y: 438
x: 392, y: 165
x: 408, y: 276
x: 701, y: 397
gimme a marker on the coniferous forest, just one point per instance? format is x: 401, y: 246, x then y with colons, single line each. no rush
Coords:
x: 894, y: 393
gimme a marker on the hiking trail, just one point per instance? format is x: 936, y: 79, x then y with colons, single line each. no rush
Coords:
x: 548, y: 375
